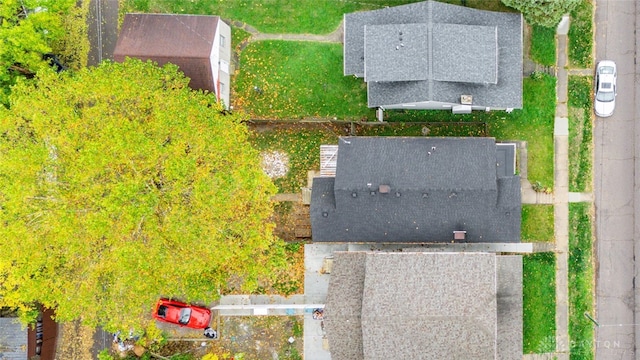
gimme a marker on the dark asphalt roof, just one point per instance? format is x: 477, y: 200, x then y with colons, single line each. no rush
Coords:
x: 416, y: 189
x: 183, y: 40
x: 468, y: 52
x: 417, y: 305
x: 506, y: 164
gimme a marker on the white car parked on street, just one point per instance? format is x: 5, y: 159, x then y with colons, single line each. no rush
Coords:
x: 605, y: 100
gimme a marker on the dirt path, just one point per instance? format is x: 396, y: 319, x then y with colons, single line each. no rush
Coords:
x: 74, y: 341
x: 335, y: 37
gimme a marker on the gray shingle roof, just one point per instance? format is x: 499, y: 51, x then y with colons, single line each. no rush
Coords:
x: 424, y: 306
x: 506, y: 159
x: 435, y: 186
x: 509, y: 307
x: 404, y: 44
x: 465, y: 53
x: 345, y: 295
x: 468, y: 52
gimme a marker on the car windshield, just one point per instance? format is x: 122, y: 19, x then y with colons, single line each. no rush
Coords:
x: 605, y: 96
x: 185, y: 315
x: 162, y: 311
x: 606, y: 70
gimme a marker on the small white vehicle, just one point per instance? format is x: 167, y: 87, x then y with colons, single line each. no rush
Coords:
x: 605, y: 101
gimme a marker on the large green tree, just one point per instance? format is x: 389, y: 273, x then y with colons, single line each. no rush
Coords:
x: 118, y: 185
x: 547, y: 13
x: 28, y: 30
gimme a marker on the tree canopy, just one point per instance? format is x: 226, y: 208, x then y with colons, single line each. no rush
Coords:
x: 118, y: 185
x: 547, y: 13
x: 28, y: 30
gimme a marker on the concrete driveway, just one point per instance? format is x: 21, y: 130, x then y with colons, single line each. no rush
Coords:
x: 616, y: 195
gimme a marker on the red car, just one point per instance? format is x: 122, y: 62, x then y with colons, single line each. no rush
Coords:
x: 179, y: 313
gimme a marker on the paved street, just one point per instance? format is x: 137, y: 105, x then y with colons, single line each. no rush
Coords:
x: 102, y: 30
x: 615, y: 188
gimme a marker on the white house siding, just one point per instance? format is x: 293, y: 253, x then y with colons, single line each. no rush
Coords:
x: 221, y: 62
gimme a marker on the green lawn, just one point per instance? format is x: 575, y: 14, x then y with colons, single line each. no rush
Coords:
x: 580, y: 133
x: 581, y: 275
x: 581, y: 35
x: 537, y: 223
x: 461, y: 129
x: 283, y: 16
x: 297, y: 80
x: 543, y: 45
x: 301, y: 143
x: 302, y: 80
x: 269, y: 16
x: 539, y: 308
x: 238, y: 36
x: 534, y: 124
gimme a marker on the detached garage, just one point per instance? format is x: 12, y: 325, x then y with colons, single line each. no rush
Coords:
x: 199, y: 45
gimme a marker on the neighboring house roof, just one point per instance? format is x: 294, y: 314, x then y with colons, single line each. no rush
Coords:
x: 436, y: 52
x: 416, y: 305
x: 183, y: 40
x: 13, y: 340
x: 417, y: 189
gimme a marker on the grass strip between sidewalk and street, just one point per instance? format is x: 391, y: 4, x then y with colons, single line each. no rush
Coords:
x: 581, y: 35
x: 580, y: 134
x: 581, y: 281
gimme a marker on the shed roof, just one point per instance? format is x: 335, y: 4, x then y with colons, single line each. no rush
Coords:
x: 183, y: 40
x: 167, y: 35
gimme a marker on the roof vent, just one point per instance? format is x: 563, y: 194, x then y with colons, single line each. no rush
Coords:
x: 466, y: 99
x: 384, y: 189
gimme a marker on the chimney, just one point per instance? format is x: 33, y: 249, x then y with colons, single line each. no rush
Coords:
x: 459, y: 235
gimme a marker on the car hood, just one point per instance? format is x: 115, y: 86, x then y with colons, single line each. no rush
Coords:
x: 604, y: 108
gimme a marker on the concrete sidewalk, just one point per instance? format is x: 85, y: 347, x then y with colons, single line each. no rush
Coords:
x: 561, y: 194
